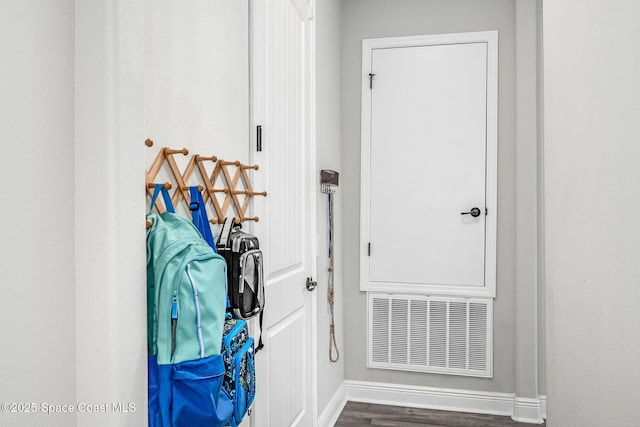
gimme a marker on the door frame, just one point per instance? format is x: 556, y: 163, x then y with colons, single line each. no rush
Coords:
x: 491, y: 184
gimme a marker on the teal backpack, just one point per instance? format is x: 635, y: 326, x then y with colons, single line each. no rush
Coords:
x: 186, y: 302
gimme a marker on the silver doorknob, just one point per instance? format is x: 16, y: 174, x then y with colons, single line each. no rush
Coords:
x: 311, y: 285
x: 474, y: 212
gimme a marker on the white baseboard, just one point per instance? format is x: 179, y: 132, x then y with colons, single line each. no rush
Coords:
x: 429, y: 397
x: 507, y: 404
x: 333, y: 409
x: 543, y: 405
x: 526, y: 410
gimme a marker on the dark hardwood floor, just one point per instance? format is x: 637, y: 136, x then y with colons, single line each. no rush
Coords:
x: 357, y: 414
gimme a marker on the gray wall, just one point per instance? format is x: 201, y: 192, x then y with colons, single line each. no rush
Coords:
x: 379, y: 18
x: 592, y: 171
x: 328, y: 156
x: 529, y: 315
x: 38, y: 350
x: 542, y: 321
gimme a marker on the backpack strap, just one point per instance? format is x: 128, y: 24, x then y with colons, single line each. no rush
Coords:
x: 159, y: 188
x: 199, y: 216
x: 260, y: 344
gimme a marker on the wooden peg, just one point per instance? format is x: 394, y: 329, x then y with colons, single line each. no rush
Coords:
x: 225, y: 163
x: 212, y: 158
x: 251, y: 193
x: 166, y: 185
x: 251, y: 218
x: 214, y: 221
x: 254, y: 167
x: 148, y: 142
x: 168, y: 151
x: 149, y: 223
x: 187, y: 187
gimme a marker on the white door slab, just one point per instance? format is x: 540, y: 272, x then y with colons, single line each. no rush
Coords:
x: 429, y: 157
x: 282, y: 106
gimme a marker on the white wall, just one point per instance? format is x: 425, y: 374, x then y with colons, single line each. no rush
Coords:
x: 72, y: 246
x: 328, y: 156
x: 37, y: 219
x: 197, y: 77
x: 592, y: 170
x: 110, y: 238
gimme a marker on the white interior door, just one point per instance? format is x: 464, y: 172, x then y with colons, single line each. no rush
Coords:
x: 282, y: 58
x: 429, y: 196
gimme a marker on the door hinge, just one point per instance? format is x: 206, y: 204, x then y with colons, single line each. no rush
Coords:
x: 259, y: 138
x: 371, y: 76
x: 369, y: 249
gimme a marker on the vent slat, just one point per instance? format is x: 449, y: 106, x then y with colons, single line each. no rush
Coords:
x: 380, y: 330
x: 477, y: 336
x: 399, y: 327
x: 418, y: 333
x: 458, y: 335
x: 430, y: 334
x: 438, y: 334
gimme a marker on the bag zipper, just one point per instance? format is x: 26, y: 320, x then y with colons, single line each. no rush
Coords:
x: 174, y: 321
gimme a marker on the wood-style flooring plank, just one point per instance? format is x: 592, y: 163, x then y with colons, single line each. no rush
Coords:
x: 357, y: 414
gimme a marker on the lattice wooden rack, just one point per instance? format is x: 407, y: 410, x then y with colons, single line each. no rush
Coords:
x: 230, y: 174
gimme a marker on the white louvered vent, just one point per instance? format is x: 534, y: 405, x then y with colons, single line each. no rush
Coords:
x: 447, y: 335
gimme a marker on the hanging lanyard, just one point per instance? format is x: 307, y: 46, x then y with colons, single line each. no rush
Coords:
x: 330, y: 293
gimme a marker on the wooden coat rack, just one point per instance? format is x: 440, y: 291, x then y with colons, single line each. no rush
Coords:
x: 220, y: 173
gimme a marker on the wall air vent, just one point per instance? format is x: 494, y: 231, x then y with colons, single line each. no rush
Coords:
x: 447, y: 335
